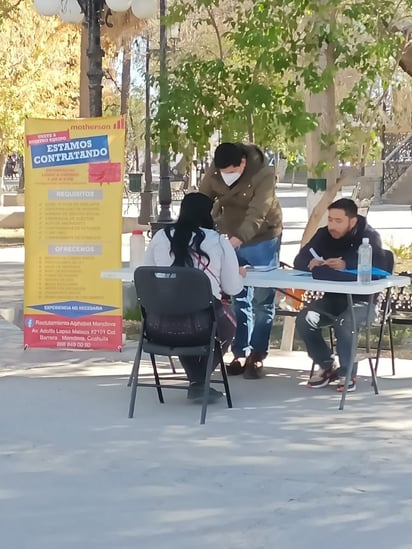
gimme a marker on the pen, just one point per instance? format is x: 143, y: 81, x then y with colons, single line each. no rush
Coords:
x: 315, y: 255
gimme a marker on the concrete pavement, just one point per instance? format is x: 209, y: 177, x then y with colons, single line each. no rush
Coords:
x: 284, y: 469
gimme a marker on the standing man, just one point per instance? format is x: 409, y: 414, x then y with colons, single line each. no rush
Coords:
x: 334, y: 248
x: 242, y: 184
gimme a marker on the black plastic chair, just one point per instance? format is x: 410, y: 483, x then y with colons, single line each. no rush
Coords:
x: 176, y: 297
x: 396, y: 308
x: 385, y: 311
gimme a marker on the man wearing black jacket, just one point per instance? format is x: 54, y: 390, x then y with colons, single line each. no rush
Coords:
x: 336, y: 247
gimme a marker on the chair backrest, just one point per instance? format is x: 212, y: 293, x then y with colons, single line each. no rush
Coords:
x: 402, y: 302
x: 173, y: 290
x: 385, y: 296
x: 177, y: 305
x: 389, y: 261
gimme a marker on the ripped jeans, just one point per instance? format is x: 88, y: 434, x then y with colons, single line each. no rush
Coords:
x: 254, y: 307
x: 332, y: 310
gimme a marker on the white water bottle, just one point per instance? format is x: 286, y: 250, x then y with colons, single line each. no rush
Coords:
x: 365, y: 262
x: 137, y: 249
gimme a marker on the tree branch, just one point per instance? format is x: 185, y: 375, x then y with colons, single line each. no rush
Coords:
x: 214, y: 25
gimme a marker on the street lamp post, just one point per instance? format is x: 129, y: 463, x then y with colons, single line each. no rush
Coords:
x: 146, y: 202
x: 147, y: 209
x: 165, y: 195
x: 94, y: 13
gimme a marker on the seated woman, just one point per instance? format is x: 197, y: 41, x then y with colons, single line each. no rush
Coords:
x: 192, y: 242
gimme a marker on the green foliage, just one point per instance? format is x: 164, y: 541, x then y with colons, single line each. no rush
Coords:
x: 270, y: 58
x: 401, y: 251
x: 133, y: 314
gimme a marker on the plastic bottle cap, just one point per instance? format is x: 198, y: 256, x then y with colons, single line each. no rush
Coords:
x: 365, y: 240
x: 137, y: 232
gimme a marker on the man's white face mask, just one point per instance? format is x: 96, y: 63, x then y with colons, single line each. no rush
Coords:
x: 230, y: 178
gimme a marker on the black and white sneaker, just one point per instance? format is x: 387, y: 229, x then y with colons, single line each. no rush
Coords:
x: 351, y: 385
x: 323, y: 377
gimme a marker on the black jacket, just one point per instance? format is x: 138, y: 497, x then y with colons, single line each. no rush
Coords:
x: 346, y: 247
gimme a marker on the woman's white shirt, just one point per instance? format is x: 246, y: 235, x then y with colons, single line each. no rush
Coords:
x: 223, y: 265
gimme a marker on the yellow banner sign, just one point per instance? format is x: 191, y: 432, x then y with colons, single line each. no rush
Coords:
x: 74, y: 171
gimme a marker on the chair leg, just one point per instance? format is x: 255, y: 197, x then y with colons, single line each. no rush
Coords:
x: 129, y: 381
x: 332, y: 346
x: 136, y: 362
x: 391, y: 345
x: 379, y: 346
x: 312, y: 369
x: 172, y: 364
x: 209, y: 370
x: 373, y: 374
x: 224, y: 375
x: 157, y: 379
x: 134, y: 377
x: 385, y: 319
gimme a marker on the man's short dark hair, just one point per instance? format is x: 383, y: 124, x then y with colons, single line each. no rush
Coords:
x: 347, y: 205
x: 228, y: 154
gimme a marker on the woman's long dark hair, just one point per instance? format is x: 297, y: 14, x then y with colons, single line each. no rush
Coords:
x: 194, y: 214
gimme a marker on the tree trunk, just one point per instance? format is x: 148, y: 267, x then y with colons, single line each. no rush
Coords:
x: 322, y: 161
x: 2, y: 164
x: 250, y: 127
x: 21, y: 179
x: 325, y: 198
x: 126, y: 65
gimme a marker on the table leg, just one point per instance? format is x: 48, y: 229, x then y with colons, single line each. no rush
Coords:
x: 354, y: 347
x: 352, y: 351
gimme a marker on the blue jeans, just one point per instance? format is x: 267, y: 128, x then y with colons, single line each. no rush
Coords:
x: 338, y: 316
x: 254, y: 307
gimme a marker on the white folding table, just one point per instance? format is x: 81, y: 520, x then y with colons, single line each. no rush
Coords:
x: 290, y: 278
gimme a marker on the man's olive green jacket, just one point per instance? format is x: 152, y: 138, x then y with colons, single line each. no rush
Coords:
x: 249, y: 208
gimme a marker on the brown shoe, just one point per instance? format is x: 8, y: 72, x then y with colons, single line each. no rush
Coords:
x: 253, y: 367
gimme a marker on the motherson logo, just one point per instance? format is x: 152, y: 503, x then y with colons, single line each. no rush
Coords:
x: 90, y: 127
